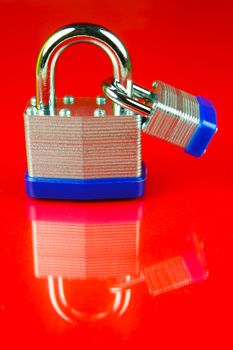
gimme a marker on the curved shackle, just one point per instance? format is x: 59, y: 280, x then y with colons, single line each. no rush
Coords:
x: 67, y: 36
x: 117, y: 93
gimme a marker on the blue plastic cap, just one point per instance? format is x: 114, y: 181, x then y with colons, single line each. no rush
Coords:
x: 88, y: 189
x: 205, y: 130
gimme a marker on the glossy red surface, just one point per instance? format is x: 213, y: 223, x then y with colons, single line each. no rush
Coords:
x: 170, y: 285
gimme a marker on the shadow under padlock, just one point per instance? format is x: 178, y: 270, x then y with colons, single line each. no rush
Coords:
x: 87, y: 244
x: 85, y: 251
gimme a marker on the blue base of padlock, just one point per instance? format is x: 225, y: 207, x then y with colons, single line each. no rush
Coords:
x: 90, y: 189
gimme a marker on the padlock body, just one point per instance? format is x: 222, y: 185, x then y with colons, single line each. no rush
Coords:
x: 181, y: 118
x: 84, y: 156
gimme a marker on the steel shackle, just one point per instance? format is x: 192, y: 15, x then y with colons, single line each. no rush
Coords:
x: 67, y: 36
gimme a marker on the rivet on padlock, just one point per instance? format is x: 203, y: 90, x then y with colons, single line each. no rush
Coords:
x: 172, y: 115
x: 71, y: 153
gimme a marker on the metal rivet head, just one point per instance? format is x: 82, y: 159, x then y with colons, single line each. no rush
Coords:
x: 33, y: 101
x: 65, y: 112
x: 99, y: 112
x: 101, y: 100
x: 68, y: 100
x: 129, y: 112
x: 155, y: 84
x: 32, y: 111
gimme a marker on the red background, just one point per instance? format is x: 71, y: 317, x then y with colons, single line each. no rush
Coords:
x: 186, y: 44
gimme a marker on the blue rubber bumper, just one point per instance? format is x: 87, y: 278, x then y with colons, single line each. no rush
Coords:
x: 90, y: 189
x: 205, y: 130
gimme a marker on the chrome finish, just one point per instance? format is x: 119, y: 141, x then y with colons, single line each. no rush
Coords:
x: 101, y: 100
x: 92, y: 142
x: 99, y: 112
x: 68, y: 100
x: 83, y: 146
x: 141, y: 92
x: 115, y: 91
x: 155, y: 84
x: 129, y: 112
x: 33, y: 101
x: 32, y: 110
x: 65, y: 112
x: 67, y: 36
x: 100, y: 142
x: 173, y: 115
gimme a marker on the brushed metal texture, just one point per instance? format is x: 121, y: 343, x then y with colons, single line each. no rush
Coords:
x: 175, y: 115
x: 82, y: 145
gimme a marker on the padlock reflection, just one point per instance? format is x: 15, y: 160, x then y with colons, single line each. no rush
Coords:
x: 84, y: 241
x: 94, y: 246
x: 101, y: 252
x: 174, y: 261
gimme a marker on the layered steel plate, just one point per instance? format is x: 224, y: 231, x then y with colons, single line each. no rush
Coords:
x: 175, y: 115
x: 88, y: 142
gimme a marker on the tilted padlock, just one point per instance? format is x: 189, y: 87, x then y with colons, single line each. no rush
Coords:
x: 82, y: 148
x: 171, y: 114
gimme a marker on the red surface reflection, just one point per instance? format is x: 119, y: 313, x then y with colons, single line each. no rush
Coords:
x: 186, y: 44
x: 83, y: 249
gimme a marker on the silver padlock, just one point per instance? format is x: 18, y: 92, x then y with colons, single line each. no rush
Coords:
x: 171, y: 114
x: 82, y: 148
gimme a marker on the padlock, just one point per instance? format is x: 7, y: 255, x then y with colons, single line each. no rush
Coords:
x: 170, y: 114
x: 82, y: 148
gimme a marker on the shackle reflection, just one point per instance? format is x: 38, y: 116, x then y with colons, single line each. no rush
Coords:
x: 101, y: 251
